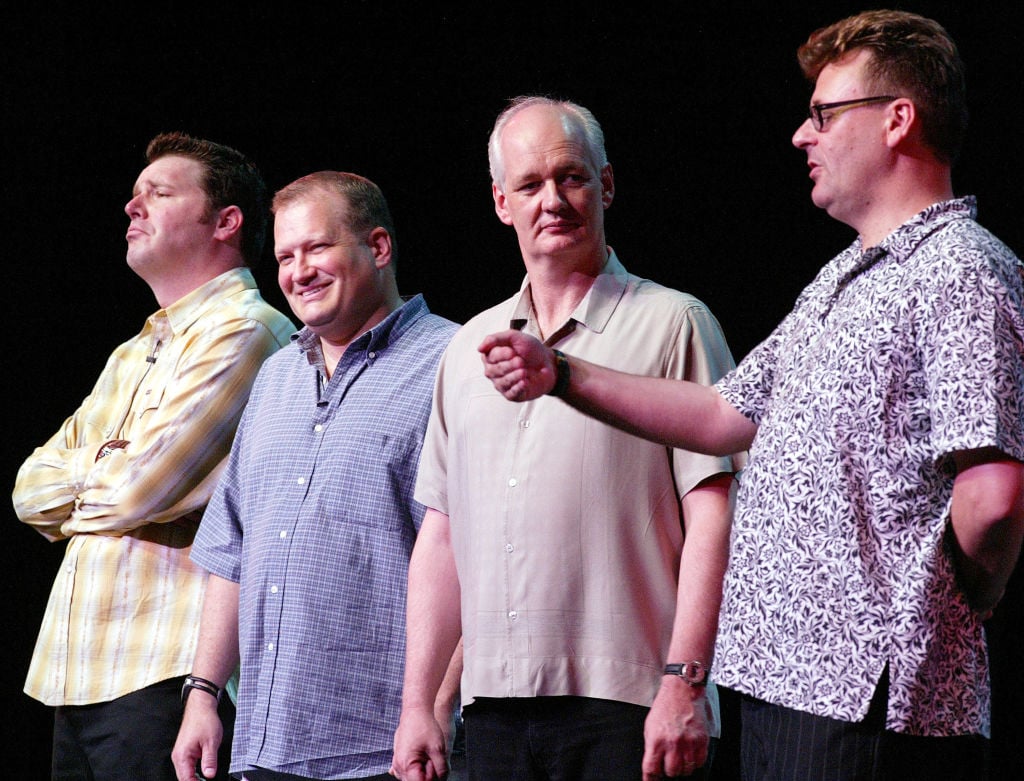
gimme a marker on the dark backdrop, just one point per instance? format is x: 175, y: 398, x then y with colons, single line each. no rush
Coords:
x: 698, y: 103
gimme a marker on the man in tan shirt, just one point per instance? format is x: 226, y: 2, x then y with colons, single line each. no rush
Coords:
x: 553, y: 542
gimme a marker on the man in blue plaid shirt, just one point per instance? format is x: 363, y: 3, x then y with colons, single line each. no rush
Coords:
x: 308, y: 536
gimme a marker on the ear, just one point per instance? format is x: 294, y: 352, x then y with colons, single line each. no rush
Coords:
x: 607, y: 185
x: 379, y: 242
x: 500, y: 205
x: 900, y: 122
x: 229, y: 223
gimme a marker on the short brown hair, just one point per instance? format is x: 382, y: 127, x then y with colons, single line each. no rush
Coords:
x: 909, y: 54
x: 229, y: 179
x: 367, y: 207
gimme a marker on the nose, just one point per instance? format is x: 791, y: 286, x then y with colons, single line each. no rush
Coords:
x: 804, y: 135
x: 296, y: 273
x: 302, y: 270
x: 553, y: 199
x: 134, y: 206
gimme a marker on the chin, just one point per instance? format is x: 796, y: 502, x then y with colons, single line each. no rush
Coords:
x: 566, y: 243
x: 820, y: 200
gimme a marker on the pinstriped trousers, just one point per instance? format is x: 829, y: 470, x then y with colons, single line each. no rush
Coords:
x: 780, y: 744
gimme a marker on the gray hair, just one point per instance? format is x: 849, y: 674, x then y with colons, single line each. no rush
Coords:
x: 587, y: 122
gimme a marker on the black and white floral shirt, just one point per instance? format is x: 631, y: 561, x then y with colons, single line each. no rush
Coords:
x: 892, y: 359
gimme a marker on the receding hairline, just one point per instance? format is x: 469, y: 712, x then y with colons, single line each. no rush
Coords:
x: 575, y: 119
x: 313, y: 191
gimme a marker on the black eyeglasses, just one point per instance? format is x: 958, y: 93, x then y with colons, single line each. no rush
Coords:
x: 821, y: 113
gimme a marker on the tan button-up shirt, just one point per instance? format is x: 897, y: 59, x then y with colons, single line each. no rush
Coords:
x: 567, y: 533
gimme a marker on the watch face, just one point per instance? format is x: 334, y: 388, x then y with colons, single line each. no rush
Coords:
x: 694, y: 672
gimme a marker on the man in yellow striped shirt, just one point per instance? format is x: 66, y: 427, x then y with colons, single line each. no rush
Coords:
x: 127, y: 476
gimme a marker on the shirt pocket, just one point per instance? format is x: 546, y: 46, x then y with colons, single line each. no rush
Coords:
x: 373, y: 475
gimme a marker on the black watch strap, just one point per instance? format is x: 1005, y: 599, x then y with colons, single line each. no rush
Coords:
x: 694, y: 673
x: 195, y: 682
x: 563, y: 373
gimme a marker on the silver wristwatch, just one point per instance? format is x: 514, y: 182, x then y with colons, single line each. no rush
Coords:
x: 694, y: 673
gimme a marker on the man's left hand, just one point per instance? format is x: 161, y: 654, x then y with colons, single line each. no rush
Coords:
x: 676, y: 731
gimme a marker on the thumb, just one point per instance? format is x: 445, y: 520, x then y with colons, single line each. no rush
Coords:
x: 209, y: 761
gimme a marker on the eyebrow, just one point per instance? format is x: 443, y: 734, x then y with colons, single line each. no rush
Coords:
x: 150, y: 183
x: 563, y: 168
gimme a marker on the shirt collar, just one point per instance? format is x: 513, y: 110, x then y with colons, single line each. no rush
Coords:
x: 594, y: 310
x: 189, y: 308
x: 904, y: 241
x: 374, y: 341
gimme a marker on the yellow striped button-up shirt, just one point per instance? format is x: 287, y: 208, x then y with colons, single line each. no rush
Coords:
x: 125, y: 606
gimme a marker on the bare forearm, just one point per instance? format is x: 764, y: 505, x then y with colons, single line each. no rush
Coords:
x: 447, y: 701
x: 217, y: 650
x: 707, y: 511
x: 448, y: 692
x: 672, y: 412
x: 985, y: 562
x: 434, y: 622
x: 988, y: 524
x: 201, y: 730
x: 677, y: 729
x: 434, y: 626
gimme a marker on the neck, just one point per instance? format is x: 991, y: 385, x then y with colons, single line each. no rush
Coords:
x: 915, y: 187
x: 184, y: 280
x: 557, y: 291
x: 334, y: 345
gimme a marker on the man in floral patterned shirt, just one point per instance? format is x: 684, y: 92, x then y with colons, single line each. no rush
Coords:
x: 882, y: 510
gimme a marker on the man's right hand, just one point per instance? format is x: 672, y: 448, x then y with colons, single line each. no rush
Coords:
x: 420, y: 748
x: 520, y: 367
x: 198, y: 739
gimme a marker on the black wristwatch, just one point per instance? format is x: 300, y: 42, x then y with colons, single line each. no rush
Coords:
x: 694, y: 673
x: 195, y: 682
x: 563, y: 373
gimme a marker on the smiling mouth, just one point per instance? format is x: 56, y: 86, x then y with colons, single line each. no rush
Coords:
x: 311, y: 292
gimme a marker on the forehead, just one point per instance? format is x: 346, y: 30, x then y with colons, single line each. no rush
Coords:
x: 171, y: 170
x: 844, y: 79
x: 542, y: 134
x: 317, y: 213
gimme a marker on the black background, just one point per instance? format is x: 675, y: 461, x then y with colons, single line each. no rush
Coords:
x: 698, y: 103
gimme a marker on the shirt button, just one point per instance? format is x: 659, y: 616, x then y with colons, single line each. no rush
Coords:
x: 509, y: 548
x: 301, y: 481
x: 273, y: 589
x: 512, y: 482
x: 283, y: 535
x: 513, y: 615
x: 270, y: 646
x: 524, y: 424
x: 318, y: 428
